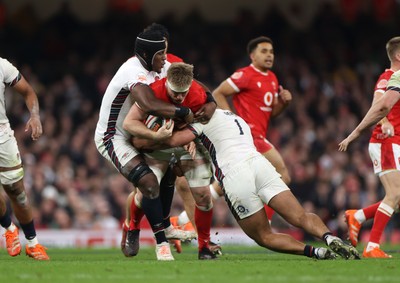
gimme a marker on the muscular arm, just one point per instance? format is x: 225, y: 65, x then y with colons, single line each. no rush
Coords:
x: 32, y: 103
x: 133, y: 123
x: 377, y: 96
x: 179, y: 138
x: 378, y: 110
x: 145, y: 98
x: 221, y: 93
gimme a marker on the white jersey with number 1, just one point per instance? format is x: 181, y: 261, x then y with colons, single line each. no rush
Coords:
x: 248, y: 179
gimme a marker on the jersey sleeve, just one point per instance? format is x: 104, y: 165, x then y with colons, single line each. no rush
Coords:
x: 238, y: 80
x: 382, y: 82
x: 137, y: 77
x: 196, y: 128
x: 11, y: 74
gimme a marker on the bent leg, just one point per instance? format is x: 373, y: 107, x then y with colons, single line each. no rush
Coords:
x: 290, y: 209
x: 257, y: 228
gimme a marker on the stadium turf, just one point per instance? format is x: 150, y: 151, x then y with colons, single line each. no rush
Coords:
x: 238, y: 264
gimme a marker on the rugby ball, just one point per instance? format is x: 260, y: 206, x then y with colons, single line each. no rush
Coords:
x: 154, y: 123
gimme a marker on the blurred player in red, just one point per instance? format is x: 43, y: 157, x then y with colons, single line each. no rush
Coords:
x: 257, y: 96
x: 384, y: 151
x: 180, y: 89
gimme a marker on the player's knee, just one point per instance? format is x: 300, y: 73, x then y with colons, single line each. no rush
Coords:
x: 138, y: 172
x: 140, y: 177
x: 202, y: 197
x: 182, y: 184
x: 15, y: 190
x: 11, y: 177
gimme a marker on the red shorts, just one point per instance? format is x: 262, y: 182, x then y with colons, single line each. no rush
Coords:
x: 262, y: 144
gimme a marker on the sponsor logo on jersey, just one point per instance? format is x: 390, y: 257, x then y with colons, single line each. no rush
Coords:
x: 141, y: 77
x: 126, y: 155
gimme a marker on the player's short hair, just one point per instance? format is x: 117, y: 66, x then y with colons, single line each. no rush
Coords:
x: 392, y: 47
x: 254, y: 42
x: 180, y: 76
x: 158, y: 28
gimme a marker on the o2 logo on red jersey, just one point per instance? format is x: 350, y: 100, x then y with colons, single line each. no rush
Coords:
x: 268, y: 100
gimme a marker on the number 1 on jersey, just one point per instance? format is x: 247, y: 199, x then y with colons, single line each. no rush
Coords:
x: 239, y: 126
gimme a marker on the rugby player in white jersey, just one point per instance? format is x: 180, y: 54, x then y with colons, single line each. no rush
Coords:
x: 249, y: 181
x: 11, y: 170
x: 129, y: 85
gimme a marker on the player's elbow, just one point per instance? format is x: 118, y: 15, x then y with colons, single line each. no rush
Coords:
x: 125, y: 125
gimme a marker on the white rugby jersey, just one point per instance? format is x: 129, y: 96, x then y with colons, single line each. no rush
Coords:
x: 117, y: 101
x: 227, y: 138
x: 8, y: 76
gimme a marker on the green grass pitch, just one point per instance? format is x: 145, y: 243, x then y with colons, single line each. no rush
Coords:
x: 237, y: 264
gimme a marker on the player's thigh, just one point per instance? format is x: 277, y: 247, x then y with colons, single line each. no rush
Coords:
x: 241, y: 192
x: 391, y: 184
x: 286, y: 204
x: 183, y: 189
x: 11, y: 170
x: 268, y: 181
x: 119, y: 152
x: 197, y: 172
x: 256, y: 225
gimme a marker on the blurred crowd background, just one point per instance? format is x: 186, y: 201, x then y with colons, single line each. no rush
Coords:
x: 329, y: 59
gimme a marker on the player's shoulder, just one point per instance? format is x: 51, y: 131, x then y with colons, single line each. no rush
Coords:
x: 242, y: 73
x: 196, y: 87
x: 386, y: 74
x: 133, y: 63
x: 4, y: 63
x: 395, y: 79
x: 383, y: 80
x: 158, y: 84
x: 173, y: 58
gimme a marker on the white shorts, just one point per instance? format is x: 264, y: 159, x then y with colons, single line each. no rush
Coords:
x: 9, y: 156
x: 384, y: 156
x: 117, y: 151
x: 251, y: 184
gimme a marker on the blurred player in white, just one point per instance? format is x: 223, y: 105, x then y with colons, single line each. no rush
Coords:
x: 249, y: 181
x: 384, y: 150
x: 11, y: 170
x: 257, y: 96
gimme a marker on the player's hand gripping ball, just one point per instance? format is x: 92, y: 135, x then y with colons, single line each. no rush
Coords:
x: 154, y: 123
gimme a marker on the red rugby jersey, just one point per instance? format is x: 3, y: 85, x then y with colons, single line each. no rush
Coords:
x: 195, y: 98
x: 255, y: 97
x: 393, y: 116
